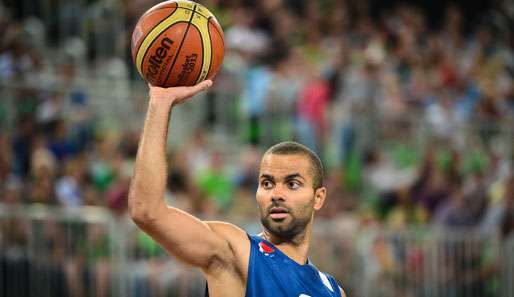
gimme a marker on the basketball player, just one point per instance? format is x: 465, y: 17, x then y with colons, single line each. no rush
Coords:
x: 235, y: 264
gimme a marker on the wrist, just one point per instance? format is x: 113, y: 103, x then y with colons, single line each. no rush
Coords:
x: 161, y: 102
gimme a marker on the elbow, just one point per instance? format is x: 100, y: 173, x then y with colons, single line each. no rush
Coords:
x: 137, y: 213
x: 140, y: 212
x: 139, y: 217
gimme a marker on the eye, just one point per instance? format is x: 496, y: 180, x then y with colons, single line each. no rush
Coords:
x: 293, y: 185
x: 266, y: 184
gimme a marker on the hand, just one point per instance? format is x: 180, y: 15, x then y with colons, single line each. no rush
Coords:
x: 177, y: 95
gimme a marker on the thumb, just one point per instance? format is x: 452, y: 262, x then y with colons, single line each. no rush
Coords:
x: 191, y: 91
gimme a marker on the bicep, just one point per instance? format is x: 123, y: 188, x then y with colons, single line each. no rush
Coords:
x: 187, y: 237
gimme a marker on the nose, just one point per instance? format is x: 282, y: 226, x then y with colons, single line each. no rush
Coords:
x: 276, y: 199
x: 277, y: 195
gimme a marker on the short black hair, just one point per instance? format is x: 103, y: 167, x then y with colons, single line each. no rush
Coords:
x: 293, y: 148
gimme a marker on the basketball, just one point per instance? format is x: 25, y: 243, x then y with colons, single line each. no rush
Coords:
x: 177, y: 43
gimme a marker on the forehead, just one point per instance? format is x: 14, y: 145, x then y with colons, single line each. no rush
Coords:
x: 282, y: 165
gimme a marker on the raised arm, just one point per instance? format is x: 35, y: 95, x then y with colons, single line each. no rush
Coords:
x: 186, y: 237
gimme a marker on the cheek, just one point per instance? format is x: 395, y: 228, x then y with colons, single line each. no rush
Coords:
x: 307, y: 205
x: 260, y: 197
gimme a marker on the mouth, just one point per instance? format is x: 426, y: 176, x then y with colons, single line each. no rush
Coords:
x: 278, y: 213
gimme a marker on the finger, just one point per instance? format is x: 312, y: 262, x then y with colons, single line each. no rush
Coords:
x: 191, y: 91
x: 205, y: 84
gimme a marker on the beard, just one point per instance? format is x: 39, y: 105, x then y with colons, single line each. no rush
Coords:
x: 291, y: 226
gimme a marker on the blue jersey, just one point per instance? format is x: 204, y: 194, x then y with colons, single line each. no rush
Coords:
x: 273, y: 274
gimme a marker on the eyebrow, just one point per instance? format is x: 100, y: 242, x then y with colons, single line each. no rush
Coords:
x: 287, y: 177
x: 293, y: 176
x: 267, y: 176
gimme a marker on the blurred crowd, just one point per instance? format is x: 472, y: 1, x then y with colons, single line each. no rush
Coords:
x: 411, y: 112
x: 410, y: 107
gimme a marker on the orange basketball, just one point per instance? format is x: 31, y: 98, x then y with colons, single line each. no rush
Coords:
x: 177, y: 43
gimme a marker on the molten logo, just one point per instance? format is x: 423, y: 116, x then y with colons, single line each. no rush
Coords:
x: 158, y: 57
x: 187, y: 67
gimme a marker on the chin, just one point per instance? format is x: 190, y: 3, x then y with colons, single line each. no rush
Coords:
x: 280, y: 228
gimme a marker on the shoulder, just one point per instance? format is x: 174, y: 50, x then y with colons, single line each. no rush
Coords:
x: 237, y: 240
x: 230, y: 232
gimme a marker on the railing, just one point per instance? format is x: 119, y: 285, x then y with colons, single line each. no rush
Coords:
x: 57, y: 252
x: 51, y: 251
x: 435, y: 263
x: 48, y: 251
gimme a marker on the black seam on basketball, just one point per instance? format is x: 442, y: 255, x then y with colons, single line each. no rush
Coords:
x: 180, y: 47
x: 195, y: 11
x: 201, y: 40
x: 212, y: 51
x: 217, y: 31
x: 151, y: 43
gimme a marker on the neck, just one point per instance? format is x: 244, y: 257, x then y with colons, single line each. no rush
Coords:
x: 296, y: 248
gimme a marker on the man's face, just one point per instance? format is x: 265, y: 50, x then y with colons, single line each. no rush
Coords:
x: 285, y: 196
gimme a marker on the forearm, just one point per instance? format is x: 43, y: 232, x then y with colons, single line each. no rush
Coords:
x: 148, y: 186
x: 183, y: 235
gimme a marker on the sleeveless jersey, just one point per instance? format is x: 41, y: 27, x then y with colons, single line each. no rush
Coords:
x: 273, y: 274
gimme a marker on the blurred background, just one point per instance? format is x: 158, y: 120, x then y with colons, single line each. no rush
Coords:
x: 410, y: 104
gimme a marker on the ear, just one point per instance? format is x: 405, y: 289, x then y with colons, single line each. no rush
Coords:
x: 319, y: 198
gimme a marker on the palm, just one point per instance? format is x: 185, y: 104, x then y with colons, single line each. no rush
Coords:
x: 178, y: 95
